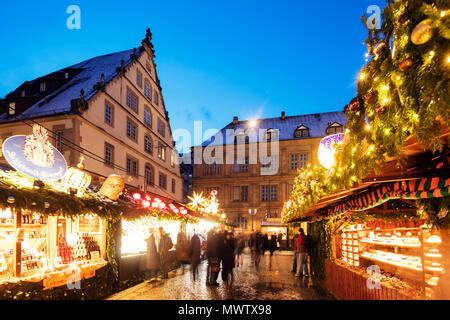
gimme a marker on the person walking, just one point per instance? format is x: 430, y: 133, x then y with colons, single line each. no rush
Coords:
x: 253, y: 246
x: 310, y: 251
x: 294, y: 263
x: 266, y: 244
x: 150, y: 262
x: 165, y: 244
x: 240, y: 246
x: 259, y: 247
x: 228, y: 259
x: 300, y: 247
x: 279, y: 239
x: 194, y: 254
x: 213, y: 254
x: 272, y: 244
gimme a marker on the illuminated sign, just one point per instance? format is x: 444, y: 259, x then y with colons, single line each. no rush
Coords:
x: 34, y: 155
x: 327, y: 147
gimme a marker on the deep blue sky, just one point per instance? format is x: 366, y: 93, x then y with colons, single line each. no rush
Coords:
x: 215, y: 59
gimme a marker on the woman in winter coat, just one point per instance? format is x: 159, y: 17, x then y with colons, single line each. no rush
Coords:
x: 151, y: 260
x: 228, y: 258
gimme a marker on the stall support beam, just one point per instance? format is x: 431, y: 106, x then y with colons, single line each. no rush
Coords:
x: 18, y: 246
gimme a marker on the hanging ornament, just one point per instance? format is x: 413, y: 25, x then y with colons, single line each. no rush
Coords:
x: 112, y: 187
x: 76, y: 179
x: 405, y: 64
x: 46, y: 205
x: 11, y: 199
x: 423, y: 32
x: 392, y: 45
x: 378, y: 47
x: 354, y: 105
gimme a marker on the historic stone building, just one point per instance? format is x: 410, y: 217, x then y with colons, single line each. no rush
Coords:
x: 110, y: 109
x: 265, y: 184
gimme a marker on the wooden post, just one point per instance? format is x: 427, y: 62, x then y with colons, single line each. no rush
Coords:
x: 18, y: 245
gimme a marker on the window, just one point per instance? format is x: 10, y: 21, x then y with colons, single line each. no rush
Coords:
x: 298, y: 161
x: 270, y: 134
x: 269, y: 164
x: 163, y: 180
x: 12, y: 108
x: 148, y: 90
x: 269, y: 193
x: 155, y: 97
x: 161, y: 151
x: 244, y: 193
x: 23, y: 93
x: 173, y: 185
x: 139, y: 79
x: 172, y: 159
x: 132, y: 100
x: 131, y: 130
x: 147, y: 117
x: 59, y: 135
x: 148, y: 146
x: 109, y: 154
x: 132, y: 166
x: 236, y: 193
x: 161, y: 128
x: 43, y: 87
x: 241, y: 222
x: 334, y: 128
x: 149, y: 175
x: 301, y: 132
x: 209, y: 189
x: 213, y: 168
x: 108, y: 113
x: 243, y: 167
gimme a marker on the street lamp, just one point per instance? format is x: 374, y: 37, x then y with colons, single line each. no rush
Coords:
x: 252, y: 213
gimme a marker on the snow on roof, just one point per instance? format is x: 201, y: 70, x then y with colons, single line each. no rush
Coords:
x: 59, y: 100
x: 316, y: 123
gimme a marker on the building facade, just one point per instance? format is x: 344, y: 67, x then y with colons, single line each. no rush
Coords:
x: 253, y: 193
x: 110, y: 109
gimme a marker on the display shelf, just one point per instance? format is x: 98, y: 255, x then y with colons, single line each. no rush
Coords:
x: 391, y: 243
x: 369, y: 256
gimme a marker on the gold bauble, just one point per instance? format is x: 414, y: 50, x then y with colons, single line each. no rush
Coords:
x: 112, y: 187
x: 423, y: 32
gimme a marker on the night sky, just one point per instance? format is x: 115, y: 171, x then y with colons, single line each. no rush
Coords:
x: 215, y: 59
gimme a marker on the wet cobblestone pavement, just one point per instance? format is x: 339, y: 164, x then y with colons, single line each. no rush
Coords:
x: 272, y: 280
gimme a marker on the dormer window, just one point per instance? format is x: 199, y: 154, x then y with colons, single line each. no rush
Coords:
x: 66, y: 75
x: 22, y: 93
x: 334, y: 128
x: 43, y: 87
x: 270, y: 134
x: 12, y: 108
x: 301, y: 132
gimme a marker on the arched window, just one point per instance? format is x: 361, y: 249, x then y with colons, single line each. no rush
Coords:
x: 301, y: 132
x: 241, y: 222
x: 149, y: 174
x: 334, y: 128
x: 147, y: 116
x: 148, y: 145
x: 271, y: 134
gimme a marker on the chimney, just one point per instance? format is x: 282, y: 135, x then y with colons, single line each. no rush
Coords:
x: 235, y: 120
x: 283, y: 115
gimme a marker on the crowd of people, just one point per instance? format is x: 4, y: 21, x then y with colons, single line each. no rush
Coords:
x: 223, y: 251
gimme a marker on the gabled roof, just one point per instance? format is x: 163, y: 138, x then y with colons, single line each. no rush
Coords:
x: 316, y: 123
x: 59, y: 100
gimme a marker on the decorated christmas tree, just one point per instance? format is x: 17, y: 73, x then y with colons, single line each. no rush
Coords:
x: 403, y: 92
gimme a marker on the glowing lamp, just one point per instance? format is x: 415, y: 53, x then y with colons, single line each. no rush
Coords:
x: 76, y: 179
x: 327, y: 148
x: 162, y: 205
x: 176, y: 210
x: 147, y: 197
x: 136, y: 196
x: 146, y: 204
x: 434, y: 240
x: 11, y: 199
x: 155, y: 204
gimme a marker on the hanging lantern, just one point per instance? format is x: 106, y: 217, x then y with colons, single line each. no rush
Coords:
x: 46, y: 205
x: 112, y: 187
x: 76, y: 179
x: 136, y: 196
x: 11, y: 199
x: 146, y: 204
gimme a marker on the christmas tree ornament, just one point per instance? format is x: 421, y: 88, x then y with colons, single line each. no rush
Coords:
x: 423, y: 32
x: 354, y: 105
x: 11, y: 199
x: 405, y: 64
x: 112, y: 187
x: 46, y: 205
x: 392, y: 45
x: 377, y: 49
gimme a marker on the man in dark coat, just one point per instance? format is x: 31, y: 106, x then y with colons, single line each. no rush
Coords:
x: 194, y: 254
x: 165, y: 244
x: 266, y: 244
x: 273, y: 244
x: 280, y: 239
x: 228, y: 258
x: 294, y: 263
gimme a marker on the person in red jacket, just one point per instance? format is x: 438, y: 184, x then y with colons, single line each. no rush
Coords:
x: 301, y: 250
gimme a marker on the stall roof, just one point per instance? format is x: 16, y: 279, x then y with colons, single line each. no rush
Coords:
x: 419, y: 164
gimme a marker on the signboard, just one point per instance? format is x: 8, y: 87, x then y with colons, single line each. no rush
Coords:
x: 34, y: 156
x: 95, y: 256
